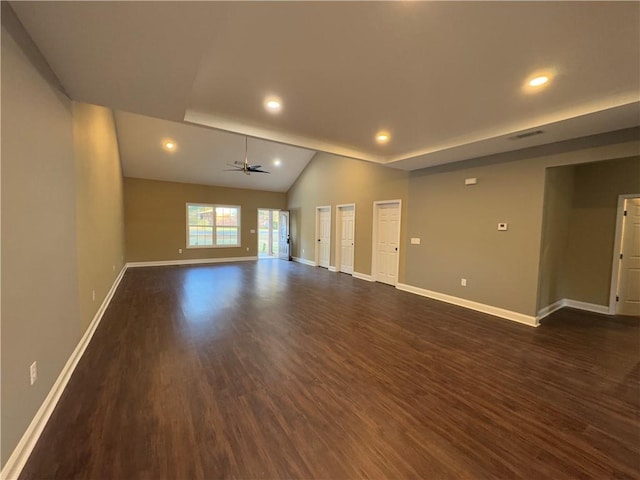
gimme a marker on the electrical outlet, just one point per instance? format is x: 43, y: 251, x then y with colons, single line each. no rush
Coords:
x: 93, y: 295
x: 33, y: 372
x: 113, y: 267
x: 179, y: 250
x: 247, y: 249
x: 463, y: 282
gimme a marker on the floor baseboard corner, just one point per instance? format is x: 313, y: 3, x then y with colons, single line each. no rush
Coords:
x: 363, y: 276
x: 304, y: 261
x: 549, y: 309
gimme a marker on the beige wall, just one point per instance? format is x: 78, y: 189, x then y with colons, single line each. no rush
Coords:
x: 155, y: 218
x: 62, y: 225
x: 458, y: 223
x: 589, y: 255
x: 40, y: 320
x: 333, y: 180
x: 579, y: 229
x: 555, y: 234
x: 99, y: 205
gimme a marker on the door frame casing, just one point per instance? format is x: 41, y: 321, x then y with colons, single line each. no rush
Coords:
x: 288, y: 213
x: 374, y: 237
x: 617, y: 248
x: 315, y: 240
x: 338, y: 255
x: 270, y: 210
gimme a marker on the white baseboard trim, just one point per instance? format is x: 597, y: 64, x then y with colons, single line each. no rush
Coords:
x: 193, y: 261
x: 332, y: 268
x: 20, y: 455
x: 363, y: 276
x: 304, y: 261
x: 480, y: 307
x: 567, y: 302
x: 549, y: 309
x: 589, y: 307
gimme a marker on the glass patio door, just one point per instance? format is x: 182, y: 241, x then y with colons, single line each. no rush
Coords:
x: 268, y: 233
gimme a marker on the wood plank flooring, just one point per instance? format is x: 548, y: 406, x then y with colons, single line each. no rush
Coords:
x: 278, y: 370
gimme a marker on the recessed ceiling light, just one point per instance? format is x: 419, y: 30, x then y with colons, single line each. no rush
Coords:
x: 273, y: 104
x: 277, y: 162
x: 169, y: 145
x: 383, y: 137
x: 538, y: 81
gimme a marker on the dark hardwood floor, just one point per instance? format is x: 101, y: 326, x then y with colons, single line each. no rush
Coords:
x: 280, y: 370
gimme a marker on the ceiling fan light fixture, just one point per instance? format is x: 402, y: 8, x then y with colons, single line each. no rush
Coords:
x: 245, y: 167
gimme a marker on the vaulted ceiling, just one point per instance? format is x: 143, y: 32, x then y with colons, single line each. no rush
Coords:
x: 446, y: 80
x: 203, y: 155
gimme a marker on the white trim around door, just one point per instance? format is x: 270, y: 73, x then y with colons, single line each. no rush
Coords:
x: 323, y: 236
x: 377, y: 207
x: 341, y: 265
x: 617, y: 250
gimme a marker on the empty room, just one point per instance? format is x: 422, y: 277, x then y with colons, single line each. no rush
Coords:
x: 320, y: 240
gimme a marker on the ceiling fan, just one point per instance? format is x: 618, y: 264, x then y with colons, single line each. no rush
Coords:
x: 245, y: 167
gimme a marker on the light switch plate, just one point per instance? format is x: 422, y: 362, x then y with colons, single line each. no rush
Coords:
x: 470, y: 181
x: 503, y: 226
x: 415, y: 241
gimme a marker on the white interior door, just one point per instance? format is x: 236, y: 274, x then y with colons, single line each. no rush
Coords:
x: 324, y: 236
x: 284, y: 244
x: 347, y: 240
x: 629, y: 272
x: 388, y: 234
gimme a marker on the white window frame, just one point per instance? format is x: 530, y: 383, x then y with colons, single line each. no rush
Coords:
x: 214, y: 206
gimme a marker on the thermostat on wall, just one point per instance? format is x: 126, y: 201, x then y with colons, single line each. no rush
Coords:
x: 503, y: 226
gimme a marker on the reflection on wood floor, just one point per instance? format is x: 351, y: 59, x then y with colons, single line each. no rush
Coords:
x: 280, y: 370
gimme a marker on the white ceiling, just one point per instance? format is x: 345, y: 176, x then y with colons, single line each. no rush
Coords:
x: 445, y: 78
x: 203, y: 154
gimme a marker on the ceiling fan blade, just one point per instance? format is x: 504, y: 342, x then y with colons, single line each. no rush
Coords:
x: 244, y: 167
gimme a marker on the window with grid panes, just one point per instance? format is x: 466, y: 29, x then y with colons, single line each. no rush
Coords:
x: 210, y: 226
